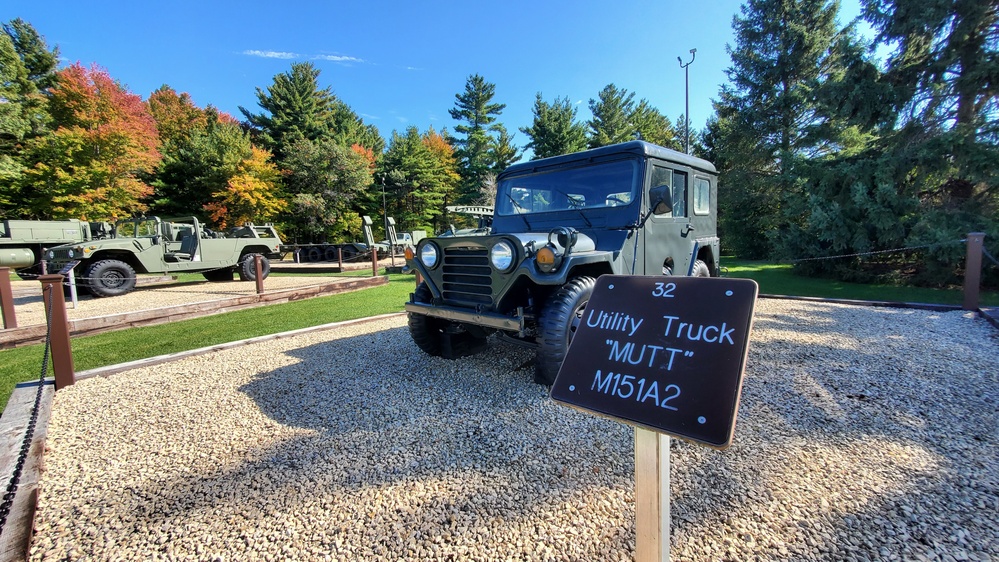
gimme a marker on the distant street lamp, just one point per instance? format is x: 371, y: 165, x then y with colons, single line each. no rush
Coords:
x: 686, y: 111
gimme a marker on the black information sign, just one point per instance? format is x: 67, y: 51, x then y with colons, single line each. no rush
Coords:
x: 663, y: 353
x: 69, y: 267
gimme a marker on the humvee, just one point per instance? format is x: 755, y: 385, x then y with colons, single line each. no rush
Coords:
x: 153, y: 245
x: 559, y: 223
x: 22, y: 241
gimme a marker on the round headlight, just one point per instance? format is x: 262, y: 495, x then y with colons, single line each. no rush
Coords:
x: 51, y: 255
x: 71, y: 254
x: 501, y: 255
x: 428, y: 255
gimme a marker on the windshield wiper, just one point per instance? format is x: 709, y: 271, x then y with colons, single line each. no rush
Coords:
x: 517, y: 206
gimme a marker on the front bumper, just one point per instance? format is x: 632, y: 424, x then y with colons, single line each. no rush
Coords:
x: 487, y: 319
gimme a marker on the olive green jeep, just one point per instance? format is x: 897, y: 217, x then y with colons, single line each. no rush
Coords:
x: 108, y: 267
x: 559, y: 223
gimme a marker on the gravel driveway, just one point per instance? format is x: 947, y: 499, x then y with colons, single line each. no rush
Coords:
x: 863, y: 434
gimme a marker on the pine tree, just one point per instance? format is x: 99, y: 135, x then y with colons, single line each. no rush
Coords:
x: 295, y: 109
x: 612, y: 113
x: 768, y: 122
x: 39, y: 61
x: 554, y: 130
x: 477, y: 114
x: 502, y: 151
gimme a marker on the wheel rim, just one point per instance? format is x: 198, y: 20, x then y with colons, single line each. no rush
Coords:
x: 577, y: 318
x: 113, y: 279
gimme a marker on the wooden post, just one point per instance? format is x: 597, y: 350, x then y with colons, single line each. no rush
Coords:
x: 374, y: 261
x: 339, y: 258
x: 973, y: 270
x: 652, y: 518
x: 62, y: 353
x: 7, y: 299
x: 257, y: 259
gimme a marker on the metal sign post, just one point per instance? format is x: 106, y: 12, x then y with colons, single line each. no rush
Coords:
x: 666, y: 355
x: 68, y: 271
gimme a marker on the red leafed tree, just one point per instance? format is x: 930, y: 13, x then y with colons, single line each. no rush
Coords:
x: 175, y: 114
x: 104, y: 143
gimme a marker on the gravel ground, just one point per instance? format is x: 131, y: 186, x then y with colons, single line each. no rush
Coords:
x: 863, y: 434
x: 29, y: 307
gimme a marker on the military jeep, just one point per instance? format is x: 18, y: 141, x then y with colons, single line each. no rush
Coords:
x: 559, y: 223
x: 152, y: 245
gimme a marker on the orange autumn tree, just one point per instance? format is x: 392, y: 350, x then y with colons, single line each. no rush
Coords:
x: 103, y: 144
x: 175, y: 114
x: 252, y: 194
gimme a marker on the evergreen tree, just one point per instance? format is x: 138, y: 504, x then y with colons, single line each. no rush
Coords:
x: 421, y: 175
x: 554, y: 130
x: 295, y: 109
x: 612, y: 114
x: 502, y: 151
x: 477, y: 114
x: 768, y: 123
x: 39, y: 61
x: 655, y: 127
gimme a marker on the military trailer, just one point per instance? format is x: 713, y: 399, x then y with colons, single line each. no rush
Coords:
x: 559, y: 223
x: 151, y: 245
x: 22, y: 241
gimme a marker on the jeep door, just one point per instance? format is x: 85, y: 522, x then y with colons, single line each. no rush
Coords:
x: 669, y: 236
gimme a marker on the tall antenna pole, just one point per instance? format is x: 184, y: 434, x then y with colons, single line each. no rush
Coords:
x: 686, y: 111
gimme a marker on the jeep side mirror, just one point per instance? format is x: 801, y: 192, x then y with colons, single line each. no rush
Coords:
x: 661, y: 199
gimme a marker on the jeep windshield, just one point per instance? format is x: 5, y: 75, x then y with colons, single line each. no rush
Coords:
x: 605, y: 184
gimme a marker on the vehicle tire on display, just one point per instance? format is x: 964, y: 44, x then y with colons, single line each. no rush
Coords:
x: 330, y: 254
x: 313, y: 254
x: 218, y: 275
x: 561, y: 316
x: 109, y: 278
x: 426, y: 330
x: 700, y: 269
x: 248, y: 269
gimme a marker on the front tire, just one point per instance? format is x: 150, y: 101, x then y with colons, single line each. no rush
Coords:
x: 248, y: 268
x: 426, y: 330
x: 110, y: 278
x: 561, y: 316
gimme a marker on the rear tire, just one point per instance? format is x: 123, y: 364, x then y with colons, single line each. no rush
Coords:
x: 561, y: 316
x: 109, y: 278
x: 700, y: 269
x: 248, y: 269
x: 426, y: 330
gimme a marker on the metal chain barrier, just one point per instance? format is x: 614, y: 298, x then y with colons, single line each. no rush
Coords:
x: 29, y: 433
x: 906, y: 249
x: 986, y: 253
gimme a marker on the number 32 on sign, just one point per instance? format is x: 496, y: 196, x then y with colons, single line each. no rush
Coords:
x: 665, y: 354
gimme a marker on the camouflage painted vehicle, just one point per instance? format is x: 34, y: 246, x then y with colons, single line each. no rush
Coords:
x: 628, y: 209
x: 151, y: 245
x: 22, y: 241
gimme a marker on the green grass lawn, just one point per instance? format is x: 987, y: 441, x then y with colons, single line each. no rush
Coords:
x: 778, y: 279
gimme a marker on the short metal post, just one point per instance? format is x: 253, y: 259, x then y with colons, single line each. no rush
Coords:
x: 62, y: 353
x: 973, y: 270
x: 374, y: 262
x: 339, y: 258
x: 7, y: 299
x: 72, y: 286
x: 257, y: 259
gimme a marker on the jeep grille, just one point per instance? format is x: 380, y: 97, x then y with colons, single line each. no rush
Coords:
x: 467, y: 276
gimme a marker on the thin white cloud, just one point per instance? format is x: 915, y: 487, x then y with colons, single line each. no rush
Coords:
x: 337, y: 58
x: 271, y: 54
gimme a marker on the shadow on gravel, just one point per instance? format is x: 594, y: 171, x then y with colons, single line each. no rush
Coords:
x: 433, y: 444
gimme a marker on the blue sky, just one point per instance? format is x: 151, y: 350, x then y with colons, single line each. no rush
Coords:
x: 400, y: 64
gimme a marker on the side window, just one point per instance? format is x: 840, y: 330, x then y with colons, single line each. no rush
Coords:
x: 679, y: 194
x: 702, y: 196
x: 662, y: 176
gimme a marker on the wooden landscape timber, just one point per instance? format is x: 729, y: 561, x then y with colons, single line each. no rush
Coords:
x: 32, y: 334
